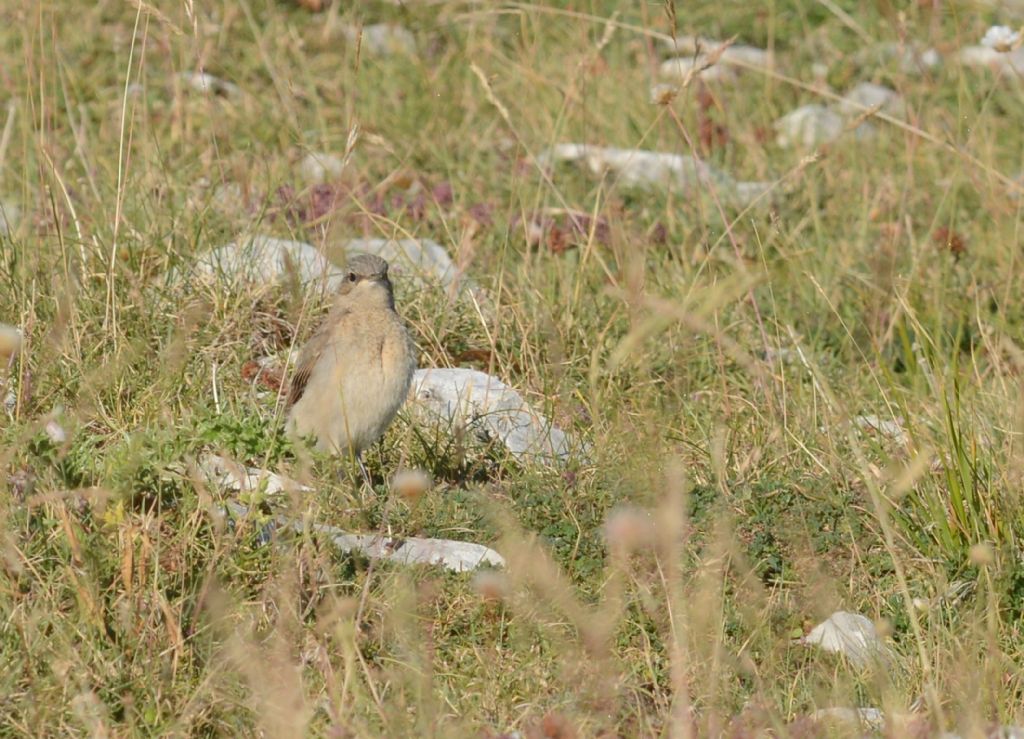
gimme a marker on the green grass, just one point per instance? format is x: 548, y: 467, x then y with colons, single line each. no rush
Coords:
x: 130, y: 606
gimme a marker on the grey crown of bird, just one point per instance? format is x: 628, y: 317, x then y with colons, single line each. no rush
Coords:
x: 354, y: 373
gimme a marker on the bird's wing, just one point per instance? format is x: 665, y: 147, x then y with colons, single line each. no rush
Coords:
x: 310, y: 355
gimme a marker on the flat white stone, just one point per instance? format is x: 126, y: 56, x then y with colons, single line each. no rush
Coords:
x: 55, y: 432
x: 266, y: 260
x: 208, y: 84
x: 1017, y: 192
x: 663, y: 92
x: 1000, y: 732
x: 870, y: 95
x: 318, y: 167
x: 653, y: 169
x: 912, y: 59
x: 466, y: 397
x: 983, y: 56
x: 871, y: 718
x: 10, y: 215
x: 458, y: 556
x: 850, y: 634
x: 696, y: 67
x: 737, y: 55
x: 741, y: 55
x: 927, y: 58
x: 231, y: 475
x: 887, y: 428
x: 382, y: 39
x: 808, y: 126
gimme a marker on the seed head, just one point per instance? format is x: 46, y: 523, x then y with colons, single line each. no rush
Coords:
x: 491, y: 585
x: 411, y: 484
x: 10, y: 343
x: 982, y: 555
x: 628, y: 528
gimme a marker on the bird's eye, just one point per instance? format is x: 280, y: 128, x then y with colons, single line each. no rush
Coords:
x: 351, y: 276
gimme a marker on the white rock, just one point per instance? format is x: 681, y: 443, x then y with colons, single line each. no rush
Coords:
x: 55, y: 432
x: 226, y: 197
x: 228, y: 474
x: 456, y: 397
x: 229, y: 197
x: 889, y: 429
x: 740, y: 55
x: 266, y: 260
x: 926, y: 58
x: 688, y: 67
x: 11, y: 341
x: 636, y: 167
x: 808, y: 126
x: 652, y: 169
x: 318, y: 167
x: 1000, y: 732
x: 736, y: 55
x: 743, y: 194
x: 870, y: 718
x: 663, y: 92
x: 382, y: 39
x: 913, y: 59
x: 979, y: 56
x: 1001, y: 38
x: 696, y: 58
x: 208, y: 84
x: 850, y: 634
x: 1008, y: 732
x: 784, y: 355
x: 458, y: 556
x: 982, y: 56
x: 10, y: 215
x: 424, y: 260
x: 683, y: 45
x: 870, y: 95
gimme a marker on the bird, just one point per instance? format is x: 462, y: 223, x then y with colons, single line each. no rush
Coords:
x: 355, y: 371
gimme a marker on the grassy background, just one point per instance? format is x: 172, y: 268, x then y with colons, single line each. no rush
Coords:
x: 131, y: 608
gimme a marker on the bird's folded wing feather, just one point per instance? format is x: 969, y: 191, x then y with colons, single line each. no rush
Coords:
x: 310, y: 355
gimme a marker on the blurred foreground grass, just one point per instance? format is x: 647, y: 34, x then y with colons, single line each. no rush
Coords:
x: 715, y: 362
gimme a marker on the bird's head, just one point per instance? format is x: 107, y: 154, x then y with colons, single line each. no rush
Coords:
x: 366, y: 282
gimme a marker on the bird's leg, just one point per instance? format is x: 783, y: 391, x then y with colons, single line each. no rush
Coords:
x: 366, y: 473
x: 369, y: 486
x: 345, y: 472
x: 387, y: 504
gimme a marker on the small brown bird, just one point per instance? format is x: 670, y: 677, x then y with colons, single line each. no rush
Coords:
x: 354, y: 373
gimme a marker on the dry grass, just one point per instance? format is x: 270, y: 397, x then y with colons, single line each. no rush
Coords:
x: 714, y: 361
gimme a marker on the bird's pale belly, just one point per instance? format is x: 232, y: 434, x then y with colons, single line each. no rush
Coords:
x: 348, y: 406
